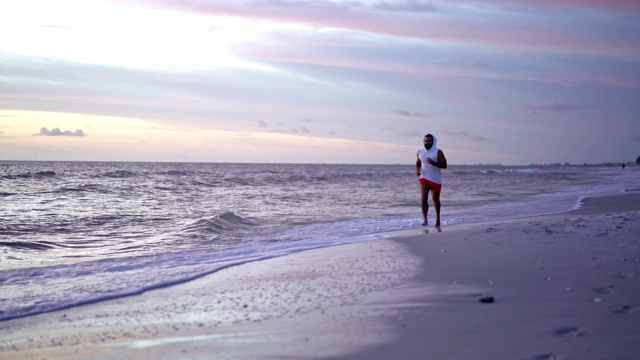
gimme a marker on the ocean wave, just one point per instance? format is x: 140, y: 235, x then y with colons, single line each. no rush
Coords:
x: 218, y: 224
x: 48, y: 173
x: 82, y: 188
x: 176, y: 173
x: 30, y: 175
x: 508, y: 171
x: 29, y: 289
x: 99, y: 220
x: 120, y: 174
x: 28, y: 245
x: 491, y: 171
x: 528, y: 170
x: 205, y: 184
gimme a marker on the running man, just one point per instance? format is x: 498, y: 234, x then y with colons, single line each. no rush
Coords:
x: 428, y: 165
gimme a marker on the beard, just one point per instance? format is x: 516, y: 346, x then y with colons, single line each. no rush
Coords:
x: 428, y: 147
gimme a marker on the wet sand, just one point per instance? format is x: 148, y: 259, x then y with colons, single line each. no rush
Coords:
x: 564, y: 287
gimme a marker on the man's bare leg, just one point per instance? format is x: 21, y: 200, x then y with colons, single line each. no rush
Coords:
x: 424, y: 192
x: 436, y: 204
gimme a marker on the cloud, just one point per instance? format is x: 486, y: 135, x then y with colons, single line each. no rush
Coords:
x: 57, y: 132
x: 294, y: 130
x: 556, y: 107
x: 511, y: 23
x: 409, y: 113
x: 601, y: 4
x: 481, y: 65
x: 465, y: 134
x: 262, y: 124
x: 409, y: 5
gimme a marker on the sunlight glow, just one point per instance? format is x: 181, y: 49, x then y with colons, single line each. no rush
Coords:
x: 104, y: 34
x: 130, y: 139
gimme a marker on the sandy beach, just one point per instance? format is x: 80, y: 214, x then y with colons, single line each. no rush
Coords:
x: 563, y: 287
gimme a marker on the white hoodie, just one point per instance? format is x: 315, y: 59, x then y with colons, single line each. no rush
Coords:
x: 428, y: 171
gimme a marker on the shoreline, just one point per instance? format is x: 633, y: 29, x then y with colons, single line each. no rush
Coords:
x: 563, y: 285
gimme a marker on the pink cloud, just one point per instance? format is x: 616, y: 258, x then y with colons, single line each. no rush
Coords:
x: 406, y: 113
x: 557, y: 107
x: 481, y: 65
x: 448, y: 23
x: 464, y: 134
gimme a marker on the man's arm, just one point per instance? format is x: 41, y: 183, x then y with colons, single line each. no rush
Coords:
x: 442, y: 161
x: 418, y: 164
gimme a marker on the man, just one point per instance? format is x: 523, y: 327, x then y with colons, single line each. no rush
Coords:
x: 428, y: 165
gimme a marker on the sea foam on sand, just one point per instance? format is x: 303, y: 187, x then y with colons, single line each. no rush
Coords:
x: 565, y: 287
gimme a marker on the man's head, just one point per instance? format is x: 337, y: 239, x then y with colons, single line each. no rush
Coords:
x: 428, y: 141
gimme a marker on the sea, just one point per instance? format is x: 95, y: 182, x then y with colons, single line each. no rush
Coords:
x: 73, y: 233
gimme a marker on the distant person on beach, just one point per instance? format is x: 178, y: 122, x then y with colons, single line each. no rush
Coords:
x: 428, y: 165
x: 622, y: 166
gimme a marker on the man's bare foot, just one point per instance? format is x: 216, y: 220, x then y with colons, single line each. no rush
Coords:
x: 425, y: 223
x: 438, y: 223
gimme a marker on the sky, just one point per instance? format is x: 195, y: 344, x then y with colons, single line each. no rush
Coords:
x: 510, y: 82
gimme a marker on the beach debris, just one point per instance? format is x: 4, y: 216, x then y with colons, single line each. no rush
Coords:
x: 606, y: 290
x: 571, y: 331
x: 487, y: 300
x: 597, y: 300
x: 627, y: 309
x: 626, y: 275
x: 545, y: 357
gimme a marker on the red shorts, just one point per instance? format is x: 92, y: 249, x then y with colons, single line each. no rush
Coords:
x: 432, y: 186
